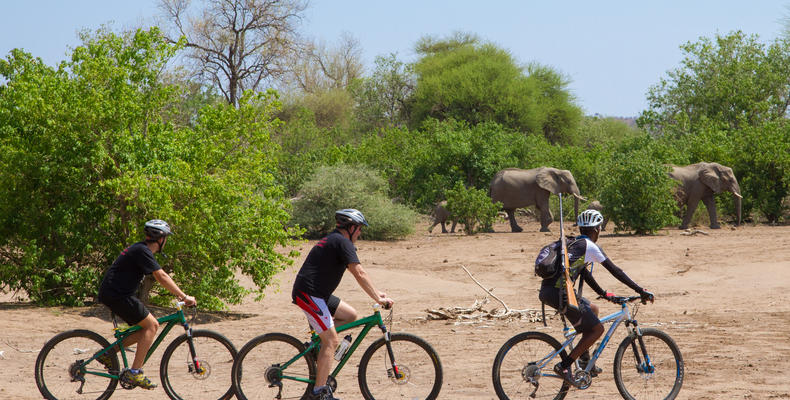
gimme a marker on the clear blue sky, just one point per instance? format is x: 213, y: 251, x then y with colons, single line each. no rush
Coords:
x: 612, y: 51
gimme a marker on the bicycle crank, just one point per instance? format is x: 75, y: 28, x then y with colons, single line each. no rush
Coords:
x: 582, y: 379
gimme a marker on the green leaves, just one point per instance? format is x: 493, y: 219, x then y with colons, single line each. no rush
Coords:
x: 472, y: 208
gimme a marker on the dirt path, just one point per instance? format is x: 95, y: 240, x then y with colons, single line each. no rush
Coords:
x: 721, y: 296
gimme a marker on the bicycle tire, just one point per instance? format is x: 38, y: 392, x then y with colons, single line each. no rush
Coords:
x: 260, y: 357
x: 664, y: 355
x: 55, y: 361
x: 516, y: 362
x: 215, y: 354
x: 410, y: 361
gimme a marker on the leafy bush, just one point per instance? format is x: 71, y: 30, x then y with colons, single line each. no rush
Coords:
x: 472, y: 208
x: 86, y: 158
x: 638, y: 191
x: 332, y: 188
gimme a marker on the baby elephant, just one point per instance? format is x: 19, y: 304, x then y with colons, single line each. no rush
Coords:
x: 596, y: 205
x: 440, y: 216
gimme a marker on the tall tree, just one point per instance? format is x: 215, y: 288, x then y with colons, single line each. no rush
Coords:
x: 383, y: 98
x: 319, y: 67
x: 236, y: 44
x: 732, y: 81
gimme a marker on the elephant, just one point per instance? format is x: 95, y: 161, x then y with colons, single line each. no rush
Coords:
x: 517, y: 188
x: 440, y: 216
x: 701, y: 181
x: 596, y: 205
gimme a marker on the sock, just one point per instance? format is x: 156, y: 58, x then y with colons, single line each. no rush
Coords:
x: 135, y: 371
x: 318, y: 389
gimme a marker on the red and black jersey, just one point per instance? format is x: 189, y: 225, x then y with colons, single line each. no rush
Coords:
x: 324, y: 266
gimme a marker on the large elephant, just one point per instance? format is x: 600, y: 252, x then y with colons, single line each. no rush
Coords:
x: 701, y: 181
x: 517, y: 188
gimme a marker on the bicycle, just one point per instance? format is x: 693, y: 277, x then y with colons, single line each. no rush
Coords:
x: 279, y: 366
x: 654, y: 368
x: 195, y: 365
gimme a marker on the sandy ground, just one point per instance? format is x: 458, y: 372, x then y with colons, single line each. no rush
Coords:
x: 721, y: 296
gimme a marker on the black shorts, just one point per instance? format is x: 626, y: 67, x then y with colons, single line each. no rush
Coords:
x: 582, y: 320
x: 130, y: 309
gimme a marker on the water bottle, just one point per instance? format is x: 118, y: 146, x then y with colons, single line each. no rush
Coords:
x: 342, y: 348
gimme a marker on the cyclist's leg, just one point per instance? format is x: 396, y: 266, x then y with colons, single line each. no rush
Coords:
x: 320, y: 318
x: 146, y: 337
x: 585, y: 321
x: 343, y: 312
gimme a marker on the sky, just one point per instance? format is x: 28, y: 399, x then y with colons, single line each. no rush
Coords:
x: 612, y: 52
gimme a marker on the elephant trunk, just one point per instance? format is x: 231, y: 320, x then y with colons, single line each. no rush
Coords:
x: 575, y: 208
x: 737, y: 197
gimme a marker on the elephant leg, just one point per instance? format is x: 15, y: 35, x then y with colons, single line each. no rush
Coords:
x: 511, y: 216
x: 545, y: 218
x: 710, y: 204
x: 453, y: 227
x: 430, y: 228
x: 691, y: 206
x: 444, y: 229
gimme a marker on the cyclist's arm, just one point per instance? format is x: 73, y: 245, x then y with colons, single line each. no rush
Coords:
x: 621, y: 276
x: 367, y: 285
x: 588, y: 278
x: 165, y: 280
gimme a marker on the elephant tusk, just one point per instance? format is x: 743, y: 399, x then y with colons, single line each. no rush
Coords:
x: 738, y: 195
x: 579, y: 197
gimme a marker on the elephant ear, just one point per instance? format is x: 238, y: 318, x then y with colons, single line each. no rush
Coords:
x: 710, y: 178
x: 547, y: 181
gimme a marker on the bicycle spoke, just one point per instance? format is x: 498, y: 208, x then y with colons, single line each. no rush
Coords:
x: 639, y: 381
x: 57, y: 368
x: 209, y: 378
x: 520, y: 365
x: 258, y: 373
x: 418, y: 374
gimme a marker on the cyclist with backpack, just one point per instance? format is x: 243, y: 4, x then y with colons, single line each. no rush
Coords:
x: 318, y: 278
x: 582, y: 252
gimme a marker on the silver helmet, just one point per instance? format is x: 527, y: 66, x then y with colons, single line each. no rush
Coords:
x: 157, y: 228
x: 350, y: 216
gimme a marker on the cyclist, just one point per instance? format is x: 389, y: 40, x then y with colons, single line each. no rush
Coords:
x: 318, y: 278
x: 583, y: 252
x: 118, y: 289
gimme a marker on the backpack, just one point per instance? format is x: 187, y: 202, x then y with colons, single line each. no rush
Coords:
x: 548, y: 263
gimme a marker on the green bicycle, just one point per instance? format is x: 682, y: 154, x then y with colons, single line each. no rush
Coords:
x: 196, y: 365
x: 398, y: 365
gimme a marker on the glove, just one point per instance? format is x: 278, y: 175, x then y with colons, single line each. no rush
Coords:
x: 609, y: 296
x: 646, y: 296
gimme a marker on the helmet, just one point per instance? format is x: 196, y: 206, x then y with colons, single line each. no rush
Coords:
x: 589, y: 218
x: 350, y: 216
x: 157, y: 228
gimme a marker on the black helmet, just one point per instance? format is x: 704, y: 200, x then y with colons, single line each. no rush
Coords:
x: 349, y: 216
x: 157, y: 228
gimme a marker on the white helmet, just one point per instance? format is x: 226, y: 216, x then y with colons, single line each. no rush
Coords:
x: 350, y: 216
x: 157, y: 228
x: 589, y: 219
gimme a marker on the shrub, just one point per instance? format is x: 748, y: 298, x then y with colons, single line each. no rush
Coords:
x: 638, y: 192
x: 472, y: 208
x: 332, y: 188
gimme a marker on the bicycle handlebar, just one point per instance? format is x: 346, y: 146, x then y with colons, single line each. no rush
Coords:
x: 623, y: 299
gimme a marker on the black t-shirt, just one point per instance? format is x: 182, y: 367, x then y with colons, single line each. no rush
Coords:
x: 126, y: 272
x: 324, y: 266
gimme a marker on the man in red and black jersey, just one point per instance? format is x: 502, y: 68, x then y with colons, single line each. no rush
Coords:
x: 583, y: 252
x: 318, y: 278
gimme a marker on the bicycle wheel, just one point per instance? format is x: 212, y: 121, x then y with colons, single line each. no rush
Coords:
x: 520, y: 363
x: 263, y: 376
x: 420, y: 371
x: 215, y: 355
x: 635, y: 380
x: 58, y: 373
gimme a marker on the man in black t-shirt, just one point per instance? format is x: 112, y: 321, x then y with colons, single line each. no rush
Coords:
x: 318, y: 278
x: 118, y: 290
x: 582, y: 253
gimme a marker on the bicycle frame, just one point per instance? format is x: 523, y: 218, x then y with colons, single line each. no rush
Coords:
x: 368, y: 323
x: 120, y: 334
x: 616, y: 318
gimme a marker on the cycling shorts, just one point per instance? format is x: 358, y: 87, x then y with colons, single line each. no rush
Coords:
x: 319, y: 311
x: 130, y: 308
x: 583, y: 319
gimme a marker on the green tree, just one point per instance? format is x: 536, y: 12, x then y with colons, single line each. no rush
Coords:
x: 383, y: 98
x: 472, y: 82
x: 733, y: 80
x: 87, y: 157
x: 472, y: 208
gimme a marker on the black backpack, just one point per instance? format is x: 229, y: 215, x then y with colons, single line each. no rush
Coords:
x: 548, y: 264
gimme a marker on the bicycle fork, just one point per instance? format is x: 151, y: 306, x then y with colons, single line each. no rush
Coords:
x: 394, y: 372
x: 645, y: 366
x: 194, y: 366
